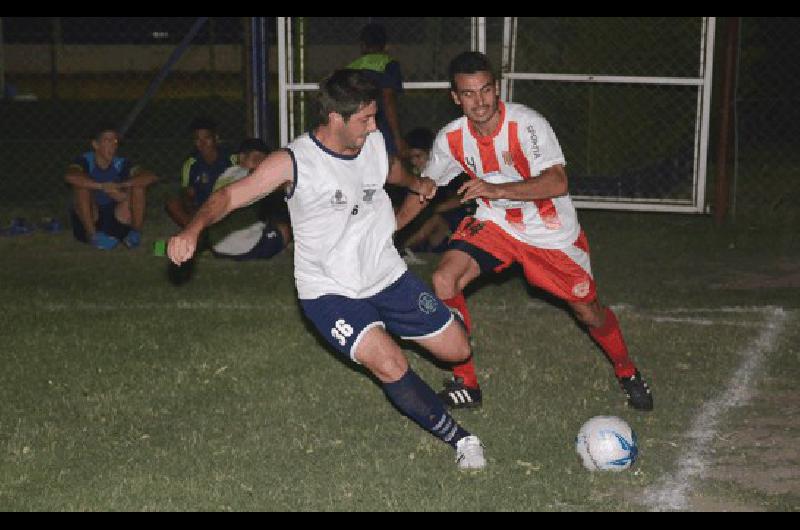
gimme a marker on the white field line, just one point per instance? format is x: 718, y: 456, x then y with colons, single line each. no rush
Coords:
x: 730, y: 309
x: 672, y: 492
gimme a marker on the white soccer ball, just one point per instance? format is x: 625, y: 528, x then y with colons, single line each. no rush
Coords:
x: 606, y: 443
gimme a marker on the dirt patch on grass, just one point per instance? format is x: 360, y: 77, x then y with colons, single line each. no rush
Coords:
x: 763, y: 452
x: 759, y: 452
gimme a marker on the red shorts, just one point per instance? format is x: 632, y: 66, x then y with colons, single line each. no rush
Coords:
x: 566, y: 273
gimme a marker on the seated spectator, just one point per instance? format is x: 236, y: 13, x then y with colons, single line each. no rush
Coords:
x: 431, y: 231
x: 200, y: 171
x: 109, y: 194
x: 258, y: 231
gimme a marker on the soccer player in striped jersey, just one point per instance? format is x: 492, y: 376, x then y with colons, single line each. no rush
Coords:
x: 524, y: 215
x: 351, y: 281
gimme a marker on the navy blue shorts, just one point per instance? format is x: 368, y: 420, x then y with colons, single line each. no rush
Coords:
x: 106, y: 222
x: 407, y: 308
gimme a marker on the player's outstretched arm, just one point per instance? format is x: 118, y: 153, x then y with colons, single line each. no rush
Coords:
x: 276, y: 170
x: 424, y: 187
x: 408, y: 210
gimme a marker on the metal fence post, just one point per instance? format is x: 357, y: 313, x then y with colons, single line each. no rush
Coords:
x: 722, y: 186
x: 151, y: 90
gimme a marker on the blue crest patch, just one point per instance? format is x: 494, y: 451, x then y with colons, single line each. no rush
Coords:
x: 427, y: 303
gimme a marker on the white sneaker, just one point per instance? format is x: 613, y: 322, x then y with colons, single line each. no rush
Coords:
x: 469, y: 453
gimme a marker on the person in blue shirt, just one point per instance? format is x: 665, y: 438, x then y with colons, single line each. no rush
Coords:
x: 109, y: 194
x: 200, y: 172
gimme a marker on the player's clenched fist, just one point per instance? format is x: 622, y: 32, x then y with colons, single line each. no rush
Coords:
x: 426, y: 188
x: 181, y: 248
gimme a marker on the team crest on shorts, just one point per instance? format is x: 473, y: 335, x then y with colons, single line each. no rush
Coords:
x: 580, y: 290
x: 427, y: 303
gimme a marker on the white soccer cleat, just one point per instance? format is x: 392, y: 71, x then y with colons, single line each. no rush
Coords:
x: 469, y: 453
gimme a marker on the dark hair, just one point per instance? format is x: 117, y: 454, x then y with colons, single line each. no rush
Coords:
x: 420, y: 138
x: 373, y: 36
x: 469, y: 63
x: 203, y: 122
x: 345, y: 92
x: 249, y: 145
x: 102, y: 127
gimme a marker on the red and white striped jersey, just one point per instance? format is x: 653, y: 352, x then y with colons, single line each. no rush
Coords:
x: 521, y: 148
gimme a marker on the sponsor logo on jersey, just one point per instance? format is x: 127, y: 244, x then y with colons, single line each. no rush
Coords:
x: 339, y: 200
x: 369, y: 195
x: 535, y: 151
x: 427, y: 303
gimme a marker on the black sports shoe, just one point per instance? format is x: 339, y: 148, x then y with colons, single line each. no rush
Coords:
x: 180, y: 274
x: 639, y: 395
x: 456, y: 395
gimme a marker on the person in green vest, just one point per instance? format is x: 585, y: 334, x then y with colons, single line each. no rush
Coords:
x: 385, y: 73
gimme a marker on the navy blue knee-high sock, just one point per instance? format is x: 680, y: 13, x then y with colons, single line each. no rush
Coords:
x: 419, y: 402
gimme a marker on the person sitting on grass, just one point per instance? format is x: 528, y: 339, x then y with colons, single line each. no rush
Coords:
x: 431, y: 232
x: 109, y: 194
x: 200, y: 171
x: 258, y: 231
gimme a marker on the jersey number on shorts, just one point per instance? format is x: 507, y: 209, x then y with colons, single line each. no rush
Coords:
x: 342, y: 331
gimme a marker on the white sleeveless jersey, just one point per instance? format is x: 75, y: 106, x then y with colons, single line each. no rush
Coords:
x: 521, y: 148
x: 342, y: 220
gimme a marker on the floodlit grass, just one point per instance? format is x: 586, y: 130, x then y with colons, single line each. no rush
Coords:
x: 121, y: 391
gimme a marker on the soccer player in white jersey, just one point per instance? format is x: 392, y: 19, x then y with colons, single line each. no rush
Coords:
x: 525, y: 215
x: 351, y: 281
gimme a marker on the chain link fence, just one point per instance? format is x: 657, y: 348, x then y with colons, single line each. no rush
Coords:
x: 766, y: 180
x: 59, y: 76
x: 423, y: 46
x: 630, y: 132
x: 632, y: 140
x: 62, y: 76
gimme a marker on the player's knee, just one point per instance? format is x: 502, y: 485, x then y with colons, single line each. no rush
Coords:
x: 123, y: 212
x: 457, y: 347
x: 444, y: 283
x: 462, y: 349
x: 388, y: 368
x: 588, y: 316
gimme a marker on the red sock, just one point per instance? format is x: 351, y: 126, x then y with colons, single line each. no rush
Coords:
x: 609, y: 337
x: 459, y: 304
x: 466, y: 370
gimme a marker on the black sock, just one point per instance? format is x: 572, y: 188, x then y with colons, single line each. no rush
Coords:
x: 419, y: 402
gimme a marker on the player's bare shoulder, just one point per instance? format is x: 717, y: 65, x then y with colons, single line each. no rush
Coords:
x: 279, y: 165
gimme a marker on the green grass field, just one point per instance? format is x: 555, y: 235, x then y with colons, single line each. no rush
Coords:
x: 123, y: 392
